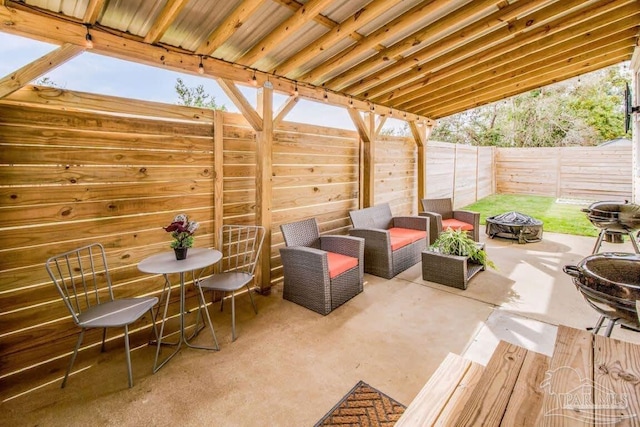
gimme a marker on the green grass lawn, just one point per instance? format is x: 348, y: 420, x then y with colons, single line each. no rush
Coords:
x: 557, y: 217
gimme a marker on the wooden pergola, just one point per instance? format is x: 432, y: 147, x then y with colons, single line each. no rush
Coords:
x: 413, y: 60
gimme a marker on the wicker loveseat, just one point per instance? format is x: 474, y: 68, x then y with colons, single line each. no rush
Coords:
x: 391, y: 244
x: 320, y: 272
x: 442, y: 216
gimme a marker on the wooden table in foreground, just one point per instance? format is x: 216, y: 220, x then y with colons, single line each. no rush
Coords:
x: 590, y: 380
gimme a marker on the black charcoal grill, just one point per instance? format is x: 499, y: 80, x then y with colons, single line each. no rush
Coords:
x: 610, y: 283
x: 614, y: 219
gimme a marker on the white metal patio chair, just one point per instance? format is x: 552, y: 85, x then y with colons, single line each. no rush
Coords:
x: 82, y: 279
x: 241, y: 246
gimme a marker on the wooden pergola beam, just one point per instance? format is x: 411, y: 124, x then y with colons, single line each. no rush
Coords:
x: 346, y: 28
x: 540, y: 63
x: 286, y: 107
x: 538, y: 54
x: 530, y: 42
x: 303, y: 15
x: 241, y: 102
x: 14, y: 81
x: 228, y: 26
x: 319, y: 74
x: 24, y: 22
x: 94, y: 8
x: 169, y: 13
x: 439, y: 46
x: 397, y: 49
x: 555, y: 76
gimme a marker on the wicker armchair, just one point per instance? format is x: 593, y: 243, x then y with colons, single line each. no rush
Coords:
x: 442, y: 216
x: 391, y: 244
x: 320, y: 272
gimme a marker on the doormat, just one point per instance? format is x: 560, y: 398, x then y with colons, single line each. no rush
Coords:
x: 363, y: 406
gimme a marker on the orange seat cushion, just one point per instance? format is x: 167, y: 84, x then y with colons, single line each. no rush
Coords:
x: 401, y: 237
x: 455, y: 224
x: 339, y: 263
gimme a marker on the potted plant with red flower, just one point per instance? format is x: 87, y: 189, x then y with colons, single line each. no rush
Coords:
x: 182, y: 230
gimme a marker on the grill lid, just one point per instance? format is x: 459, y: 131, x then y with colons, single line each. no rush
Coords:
x: 614, y: 215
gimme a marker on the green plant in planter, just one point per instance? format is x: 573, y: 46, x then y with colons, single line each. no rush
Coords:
x: 458, y: 242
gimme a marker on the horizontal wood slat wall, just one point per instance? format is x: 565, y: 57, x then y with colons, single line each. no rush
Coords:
x: 589, y: 173
x: 396, y: 173
x: 315, y: 174
x: 462, y: 172
x: 72, y: 175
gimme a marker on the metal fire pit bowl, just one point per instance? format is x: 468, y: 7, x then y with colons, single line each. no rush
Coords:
x: 514, y: 225
x: 610, y: 283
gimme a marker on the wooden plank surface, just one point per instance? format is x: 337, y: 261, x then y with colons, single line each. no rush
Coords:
x: 616, y: 382
x: 444, y: 388
x: 490, y: 397
x: 567, y: 384
x: 525, y: 403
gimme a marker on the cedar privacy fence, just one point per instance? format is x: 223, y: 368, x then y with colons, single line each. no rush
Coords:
x: 80, y: 168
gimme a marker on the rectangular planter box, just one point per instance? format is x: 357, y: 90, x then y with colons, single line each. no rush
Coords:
x: 450, y: 270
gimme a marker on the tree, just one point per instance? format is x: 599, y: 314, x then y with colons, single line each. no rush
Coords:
x: 582, y: 111
x: 196, y: 96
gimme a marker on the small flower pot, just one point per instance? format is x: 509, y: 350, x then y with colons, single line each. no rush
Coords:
x: 181, y: 253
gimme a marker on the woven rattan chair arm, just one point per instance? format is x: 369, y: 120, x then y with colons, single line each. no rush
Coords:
x: 414, y: 222
x: 304, y: 258
x: 346, y: 245
x: 469, y: 217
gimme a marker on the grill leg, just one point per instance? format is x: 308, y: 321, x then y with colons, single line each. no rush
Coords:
x: 634, y: 242
x: 596, y: 328
x: 612, y: 323
x: 596, y: 248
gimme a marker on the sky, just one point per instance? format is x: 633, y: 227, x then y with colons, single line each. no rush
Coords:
x: 100, y: 74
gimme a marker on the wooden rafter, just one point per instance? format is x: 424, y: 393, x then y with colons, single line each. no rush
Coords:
x: 285, y: 29
x: 94, y: 8
x: 345, y: 29
x: 501, y: 54
x: 540, y: 62
x: 399, y: 24
x: 169, y: 13
x: 37, y: 68
x: 432, y: 30
x: 398, y: 57
x: 553, y: 75
x: 477, y: 58
x: 499, y: 18
x: 24, y: 22
x: 228, y: 26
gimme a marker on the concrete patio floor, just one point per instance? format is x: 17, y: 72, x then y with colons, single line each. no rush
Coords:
x: 289, y: 365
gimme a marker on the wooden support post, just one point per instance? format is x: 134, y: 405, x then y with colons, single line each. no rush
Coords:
x: 421, y: 136
x: 264, y: 173
x: 367, y: 159
x: 218, y: 174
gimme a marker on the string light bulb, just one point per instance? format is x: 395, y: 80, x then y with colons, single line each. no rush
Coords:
x: 351, y: 102
x: 201, y: 66
x: 254, y: 81
x: 326, y: 96
x: 88, y: 39
x: 295, y: 89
